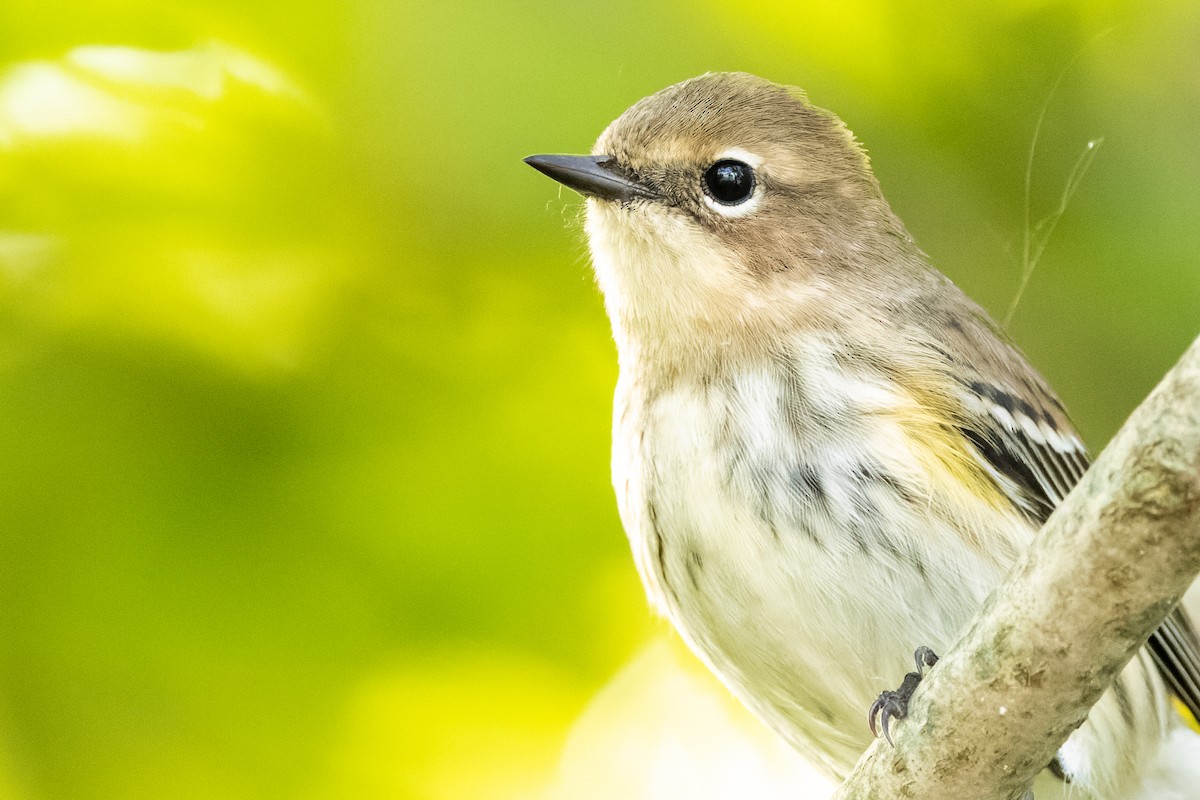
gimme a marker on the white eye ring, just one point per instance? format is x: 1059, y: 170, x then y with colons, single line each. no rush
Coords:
x: 744, y: 207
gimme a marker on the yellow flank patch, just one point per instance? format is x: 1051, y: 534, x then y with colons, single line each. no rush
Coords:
x: 1182, y: 710
x: 951, y: 472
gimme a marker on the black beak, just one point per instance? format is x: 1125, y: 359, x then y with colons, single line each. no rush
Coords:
x: 591, y: 176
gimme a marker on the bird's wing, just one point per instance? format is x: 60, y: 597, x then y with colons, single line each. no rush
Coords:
x: 1026, y: 442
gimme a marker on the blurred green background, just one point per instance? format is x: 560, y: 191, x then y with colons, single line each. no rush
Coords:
x: 305, y: 385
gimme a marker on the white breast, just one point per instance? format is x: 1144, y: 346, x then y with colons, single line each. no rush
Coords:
x: 766, y: 524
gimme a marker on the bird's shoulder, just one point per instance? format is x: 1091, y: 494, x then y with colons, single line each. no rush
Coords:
x: 1003, y: 406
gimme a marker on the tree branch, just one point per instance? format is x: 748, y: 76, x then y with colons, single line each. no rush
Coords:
x: 1105, y: 570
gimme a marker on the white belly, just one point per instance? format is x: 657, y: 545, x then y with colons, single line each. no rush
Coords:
x: 789, y: 553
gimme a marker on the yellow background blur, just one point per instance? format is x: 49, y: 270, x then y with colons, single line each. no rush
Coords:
x: 304, y: 383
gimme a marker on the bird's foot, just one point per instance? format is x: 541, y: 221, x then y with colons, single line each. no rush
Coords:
x: 892, y: 705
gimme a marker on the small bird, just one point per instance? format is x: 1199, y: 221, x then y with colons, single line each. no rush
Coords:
x: 825, y: 455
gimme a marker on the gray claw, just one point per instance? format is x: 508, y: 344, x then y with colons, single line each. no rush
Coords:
x: 894, y: 704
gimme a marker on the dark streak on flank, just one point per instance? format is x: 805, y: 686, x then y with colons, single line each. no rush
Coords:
x: 901, y: 554
x: 919, y: 565
x: 695, y: 565
x: 860, y: 539
x: 866, y: 474
x: 1121, y: 693
x: 1151, y: 689
x: 659, y: 559
x: 764, y: 512
x: 806, y: 483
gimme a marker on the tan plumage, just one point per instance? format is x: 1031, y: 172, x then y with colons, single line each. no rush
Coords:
x: 824, y: 453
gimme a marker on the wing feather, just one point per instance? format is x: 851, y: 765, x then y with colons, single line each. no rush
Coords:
x: 1024, y: 439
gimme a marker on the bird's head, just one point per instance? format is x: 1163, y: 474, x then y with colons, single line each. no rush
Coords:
x: 724, y: 203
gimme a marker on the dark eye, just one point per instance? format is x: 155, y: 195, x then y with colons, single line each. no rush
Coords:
x: 729, y: 182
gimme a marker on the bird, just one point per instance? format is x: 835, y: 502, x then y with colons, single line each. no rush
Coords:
x: 824, y: 453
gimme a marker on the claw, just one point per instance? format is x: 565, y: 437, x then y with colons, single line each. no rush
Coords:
x: 894, y: 704
x: 888, y: 706
x: 925, y: 657
x: 873, y: 712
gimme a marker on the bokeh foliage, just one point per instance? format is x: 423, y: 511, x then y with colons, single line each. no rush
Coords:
x: 304, y: 385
